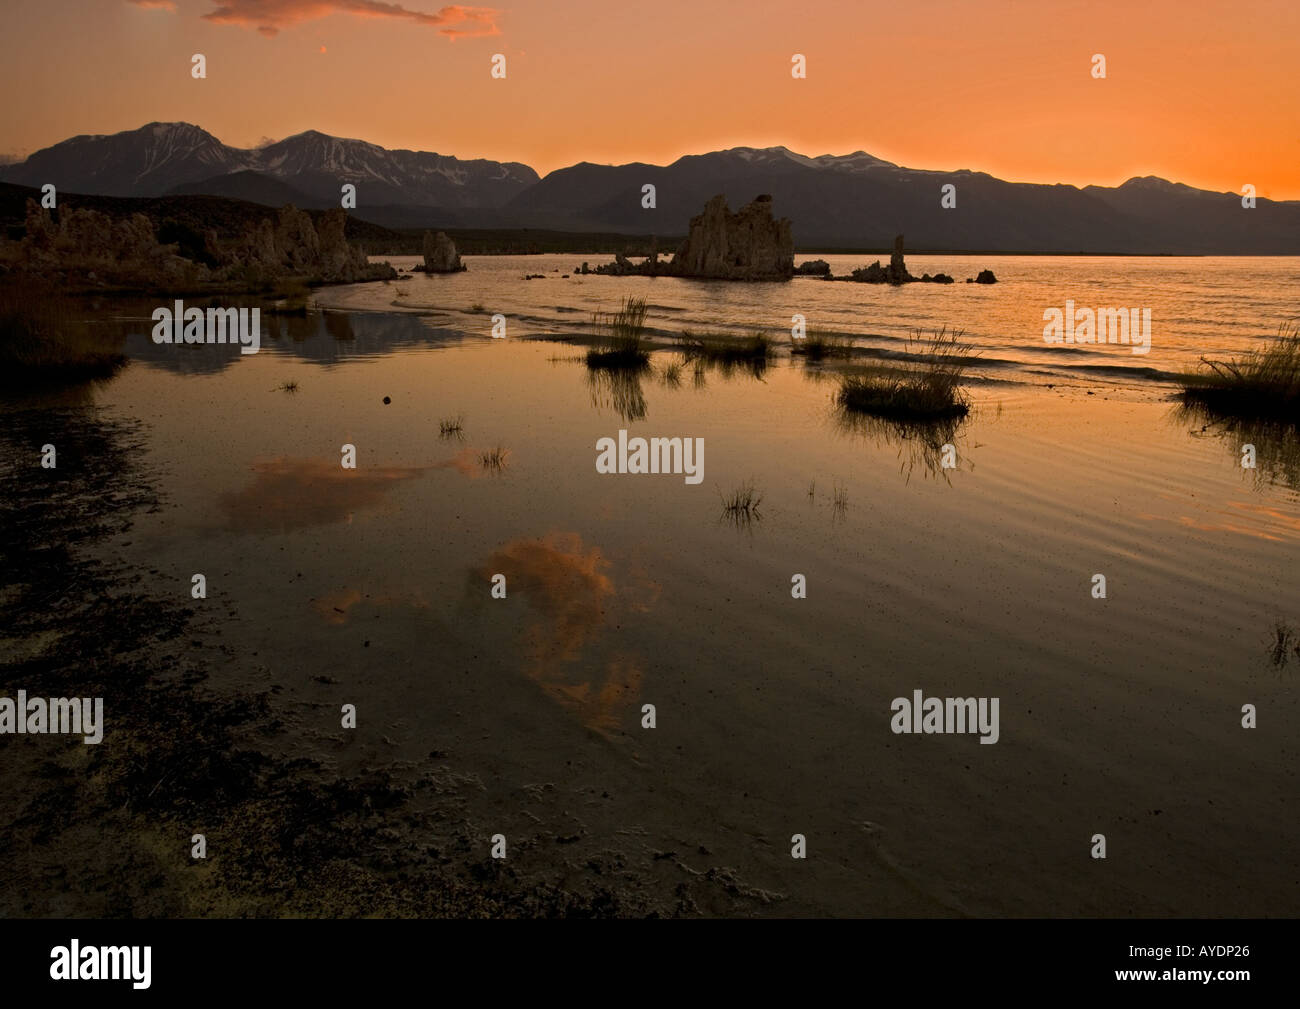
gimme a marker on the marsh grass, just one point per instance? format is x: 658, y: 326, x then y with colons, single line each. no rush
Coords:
x: 722, y: 348
x: 741, y: 506
x: 477, y: 308
x: 819, y: 346
x: 43, y: 338
x: 493, y: 459
x: 290, y: 386
x: 726, y: 353
x: 1261, y: 384
x: 928, y: 390
x: 288, y: 297
x: 452, y: 427
x: 1283, y: 644
x: 621, y: 345
x: 839, y: 501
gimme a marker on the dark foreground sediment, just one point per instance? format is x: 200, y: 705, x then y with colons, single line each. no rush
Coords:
x: 105, y: 830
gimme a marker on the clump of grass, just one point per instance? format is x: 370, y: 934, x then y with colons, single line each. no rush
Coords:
x: 818, y: 346
x: 1261, y: 383
x: 452, y: 427
x: 1283, y: 645
x: 719, y: 348
x: 671, y: 375
x: 43, y: 339
x: 477, y: 307
x: 493, y: 458
x: 839, y: 501
x: 928, y: 390
x: 812, y: 490
x: 742, y: 504
x: 621, y: 345
x: 290, y: 386
x: 289, y: 297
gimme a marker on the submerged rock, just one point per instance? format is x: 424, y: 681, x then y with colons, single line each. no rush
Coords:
x: 873, y: 274
x: 814, y: 268
x: 896, y: 272
x: 986, y: 277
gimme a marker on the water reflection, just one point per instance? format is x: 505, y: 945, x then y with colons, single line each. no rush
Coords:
x: 323, y: 338
x: 569, y: 590
x: 619, y: 389
x: 920, y: 443
x: 1248, y: 518
x: 287, y: 494
x: 1276, y: 443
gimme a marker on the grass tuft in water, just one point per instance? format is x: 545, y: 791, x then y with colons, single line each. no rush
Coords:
x: 818, y: 346
x: 621, y: 344
x: 927, y: 390
x: 742, y: 504
x: 721, y: 348
x: 1263, y: 384
x: 493, y: 459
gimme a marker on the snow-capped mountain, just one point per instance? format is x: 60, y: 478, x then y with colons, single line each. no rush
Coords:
x: 178, y: 157
x: 144, y: 162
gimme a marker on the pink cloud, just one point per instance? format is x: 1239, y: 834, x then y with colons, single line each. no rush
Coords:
x: 269, y: 16
x: 162, y: 5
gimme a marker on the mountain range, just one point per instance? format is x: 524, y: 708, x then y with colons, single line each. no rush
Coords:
x: 835, y: 201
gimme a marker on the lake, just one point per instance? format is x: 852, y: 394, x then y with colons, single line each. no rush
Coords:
x: 1120, y: 716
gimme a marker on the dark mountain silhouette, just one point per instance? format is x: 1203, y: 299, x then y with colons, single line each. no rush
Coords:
x: 851, y: 201
x: 254, y: 187
x: 857, y: 201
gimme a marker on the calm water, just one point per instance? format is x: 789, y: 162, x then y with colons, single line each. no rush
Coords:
x: 1119, y: 716
x: 1199, y: 305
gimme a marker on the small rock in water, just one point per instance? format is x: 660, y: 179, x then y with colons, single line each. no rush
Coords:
x: 387, y: 401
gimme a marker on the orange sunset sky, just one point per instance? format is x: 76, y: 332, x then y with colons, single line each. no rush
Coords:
x: 1207, y: 94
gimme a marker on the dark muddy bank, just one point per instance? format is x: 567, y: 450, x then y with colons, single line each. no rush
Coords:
x: 105, y: 830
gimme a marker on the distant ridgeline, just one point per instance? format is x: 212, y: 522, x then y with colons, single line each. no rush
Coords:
x: 850, y: 203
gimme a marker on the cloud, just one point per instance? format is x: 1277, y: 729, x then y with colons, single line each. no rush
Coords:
x: 162, y: 5
x: 269, y: 16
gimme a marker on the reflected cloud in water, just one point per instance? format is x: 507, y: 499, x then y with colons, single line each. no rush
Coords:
x: 297, y: 493
x: 572, y: 598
